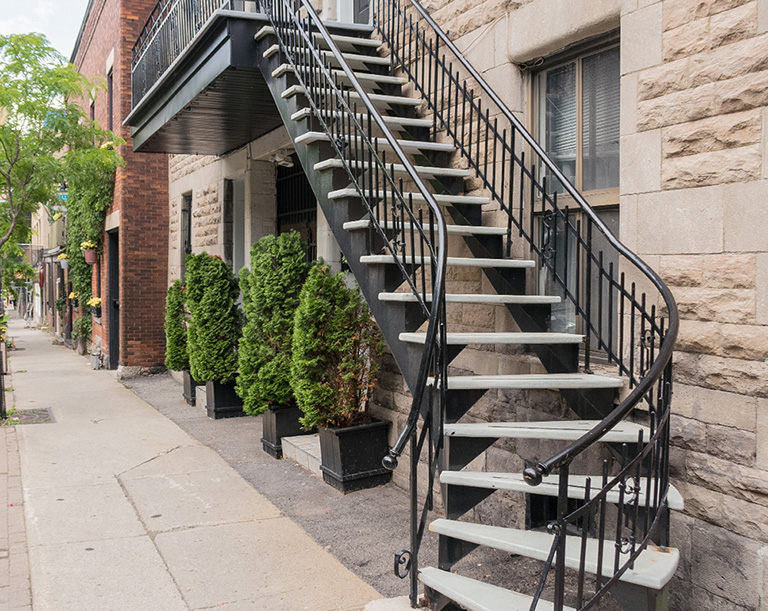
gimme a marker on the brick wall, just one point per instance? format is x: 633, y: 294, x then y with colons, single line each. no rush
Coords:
x: 141, y: 190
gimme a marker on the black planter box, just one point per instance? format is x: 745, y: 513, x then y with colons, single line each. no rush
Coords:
x: 189, y: 386
x: 222, y: 400
x: 277, y: 422
x: 351, y: 457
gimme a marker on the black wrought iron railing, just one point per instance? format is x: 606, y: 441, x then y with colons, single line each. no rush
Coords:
x: 417, y: 240
x: 614, y: 298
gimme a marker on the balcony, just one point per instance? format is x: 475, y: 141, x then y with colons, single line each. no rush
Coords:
x: 195, y: 84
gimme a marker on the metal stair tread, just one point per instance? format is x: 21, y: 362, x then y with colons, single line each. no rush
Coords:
x: 549, y: 486
x: 653, y: 568
x: 406, y: 145
x: 473, y: 298
x: 421, y: 170
x: 376, y: 98
x: 342, y: 41
x: 353, y: 59
x: 305, y: 112
x: 452, y: 261
x: 530, y: 381
x: 440, y: 198
x: 383, y: 79
x: 561, y: 430
x: 498, y: 338
x: 454, y: 229
x: 479, y: 596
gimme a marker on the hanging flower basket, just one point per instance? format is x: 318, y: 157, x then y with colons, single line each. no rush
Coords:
x: 63, y: 260
x: 89, y: 252
x: 95, y: 303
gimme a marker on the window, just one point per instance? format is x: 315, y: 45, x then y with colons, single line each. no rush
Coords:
x: 186, y: 231
x: 578, y: 120
x: 577, y: 123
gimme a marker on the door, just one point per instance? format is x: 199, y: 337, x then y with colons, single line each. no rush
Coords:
x: 113, y: 292
x: 354, y: 11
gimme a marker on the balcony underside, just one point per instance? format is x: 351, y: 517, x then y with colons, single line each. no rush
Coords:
x: 213, y: 99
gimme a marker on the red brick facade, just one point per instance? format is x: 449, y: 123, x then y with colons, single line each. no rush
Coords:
x: 141, y: 192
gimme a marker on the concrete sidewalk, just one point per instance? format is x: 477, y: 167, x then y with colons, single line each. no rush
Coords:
x: 125, y: 510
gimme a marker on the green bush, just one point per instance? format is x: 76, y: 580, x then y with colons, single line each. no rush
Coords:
x: 270, y: 298
x: 82, y: 327
x: 214, y: 326
x: 176, y: 354
x: 336, y: 345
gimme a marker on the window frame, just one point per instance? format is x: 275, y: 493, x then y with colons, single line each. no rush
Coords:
x: 578, y: 52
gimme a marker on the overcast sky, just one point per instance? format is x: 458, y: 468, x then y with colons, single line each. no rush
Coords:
x: 58, y: 20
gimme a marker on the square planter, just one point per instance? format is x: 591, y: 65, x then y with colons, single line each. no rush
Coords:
x: 352, y: 456
x: 190, y: 384
x: 277, y: 422
x: 222, y: 401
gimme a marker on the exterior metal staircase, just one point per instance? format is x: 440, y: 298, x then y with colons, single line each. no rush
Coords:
x: 391, y: 123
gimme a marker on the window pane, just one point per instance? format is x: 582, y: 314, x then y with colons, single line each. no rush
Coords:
x: 557, y: 104
x: 600, y: 120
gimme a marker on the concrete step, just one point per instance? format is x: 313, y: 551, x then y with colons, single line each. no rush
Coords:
x: 390, y: 121
x: 418, y: 198
x: 379, y: 100
x: 561, y: 430
x: 653, y: 568
x: 399, y: 170
x: 577, y: 485
x: 343, y: 42
x: 540, y: 381
x: 408, y: 146
x: 452, y: 261
x: 478, y: 596
x: 355, y: 61
x: 365, y: 78
x: 461, y: 339
x: 473, y: 298
x: 452, y: 229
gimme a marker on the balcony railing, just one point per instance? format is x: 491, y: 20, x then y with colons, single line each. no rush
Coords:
x: 170, y: 28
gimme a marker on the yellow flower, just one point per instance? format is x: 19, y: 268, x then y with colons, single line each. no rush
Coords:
x: 62, y: 256
x: 94, y: 302
x: 74, y: 295
x: 88, y: 245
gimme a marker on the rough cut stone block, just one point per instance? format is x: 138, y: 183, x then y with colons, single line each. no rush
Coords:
x: 721, y: 305
x: 664, y: 79
x: 715, y: 407
x: 731, y: 26
x: 721, y: 166
x: 750, y: 55
x: 688, y: 434
x: 722, y: 475
x: 725, y: 564
x: 712, y: 134
x: 731, y: 444
x: 729, y: 271
x: 686, y: 40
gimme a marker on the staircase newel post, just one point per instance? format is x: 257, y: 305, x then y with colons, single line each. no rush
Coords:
x: 562, y: 511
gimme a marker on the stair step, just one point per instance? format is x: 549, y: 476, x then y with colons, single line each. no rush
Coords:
x: 345, y: 43
x: 354, y: 60
x: 452, y: 229
x: 379, y: 99
x: 549, y: 486
x: 421, y: 170
x: 475, y: 299
x: 540, y: 381
x: 363, y: 77
x: 478, y: 596
x: 408, y: 146
x: 653, y: 568
x: 391, y: 121
x: 440, y: 198
x: 452, y: 261
x: 561, y: 430
x: 460, y: 339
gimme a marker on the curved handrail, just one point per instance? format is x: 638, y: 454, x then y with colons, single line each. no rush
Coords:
x: 534, y: 474
x: 438, y: 291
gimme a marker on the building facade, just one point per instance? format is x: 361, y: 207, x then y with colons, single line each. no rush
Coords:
x: 657, y: 111
x: 132, y: 266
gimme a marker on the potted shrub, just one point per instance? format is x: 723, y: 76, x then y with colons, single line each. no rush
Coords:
x: 336, y: 345
x: 213, y: 331
x: 89, y: 251
x: 270, y: 298
x: 176, y: 352
x: 95, y: 303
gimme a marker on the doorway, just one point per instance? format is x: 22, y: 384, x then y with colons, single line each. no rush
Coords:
x: 113, y: 301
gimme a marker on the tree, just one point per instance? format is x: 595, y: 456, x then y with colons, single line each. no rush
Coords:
x: 41, y: 125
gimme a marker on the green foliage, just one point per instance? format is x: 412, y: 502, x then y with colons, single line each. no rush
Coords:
x: 176, y: 354
x: 82, y: 327
x: 270, y: 297
x: 40, y: 117
x: 16, y: 272
x: 214, y: 327
x: 336, y: 345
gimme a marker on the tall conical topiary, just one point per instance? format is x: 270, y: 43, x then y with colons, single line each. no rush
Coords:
x: 336, y: 345
x: 176, y: 353
x: 270, y: 297
x: 214, y: 327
